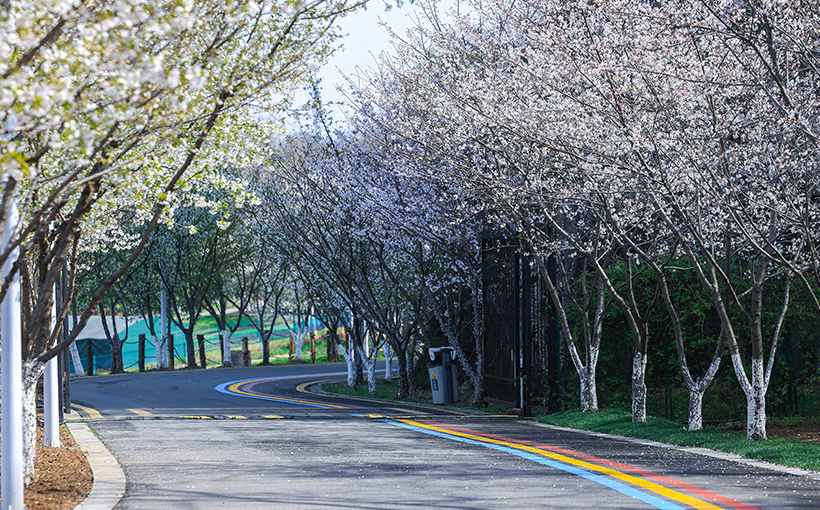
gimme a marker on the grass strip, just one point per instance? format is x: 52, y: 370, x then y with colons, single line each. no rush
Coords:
x: 777, y: 450
x: 385, y: 390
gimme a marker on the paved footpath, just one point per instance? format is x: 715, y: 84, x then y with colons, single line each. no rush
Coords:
x: 249, y: 438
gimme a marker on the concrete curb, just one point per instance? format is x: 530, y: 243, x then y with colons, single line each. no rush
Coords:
x: 109, y: 479
x: 732, y: 457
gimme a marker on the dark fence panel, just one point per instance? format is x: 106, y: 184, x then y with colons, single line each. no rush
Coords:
x: 499, y: 271
x: 521, y: 348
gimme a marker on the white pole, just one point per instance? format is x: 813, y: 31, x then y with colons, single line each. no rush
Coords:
x: 11, y: 379
x: 51, y: 399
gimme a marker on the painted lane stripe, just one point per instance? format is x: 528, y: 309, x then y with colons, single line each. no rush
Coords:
x: 694, y: 489
x: 583, y: 473
x: 92, y: 413
x: 634, y: 480
x: 140, y: 412
x: 278, y: 378
x: 233, y: 388
x: 248, y: 388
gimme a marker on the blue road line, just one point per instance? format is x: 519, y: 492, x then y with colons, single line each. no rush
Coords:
x: 222, y: 388
x: 602, y: 480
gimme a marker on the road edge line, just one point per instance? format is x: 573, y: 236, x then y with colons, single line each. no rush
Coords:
x: 109, y: 479
x: 715, y: 454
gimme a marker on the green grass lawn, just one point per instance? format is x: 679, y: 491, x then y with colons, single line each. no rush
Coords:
x: 786, y: 452
x: 385, y: 390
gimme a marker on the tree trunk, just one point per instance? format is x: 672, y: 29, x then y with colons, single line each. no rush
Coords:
x: 589, y: 388
x: 388, y: 361
x: 357, y: 359
x: 221, y: 349
x: 299, y: 342
x: 351, y: 367
x: 32, y: 371
x: 332, y: 344
x: 189, y: 341
x: 75, y: 357
x: 159, y: 348
x: 89, y: 356
x: 200, y: 340
x: 265, y: 348
x: 141, y: 354
x: 639, y: 387
x: 756, y: 404
x: 409, y: 354
x: 370, y: 368
x: 172, y: 355
x: 696, y: 388
x: 226, y: 347
x: 404, y: 378
x: 695, y: 409
x: 116, y: 355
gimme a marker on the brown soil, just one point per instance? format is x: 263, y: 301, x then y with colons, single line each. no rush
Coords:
x: 808, y: 433
x: 62, y: 476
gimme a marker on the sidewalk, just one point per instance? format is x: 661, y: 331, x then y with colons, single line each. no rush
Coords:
x: 109, y: 479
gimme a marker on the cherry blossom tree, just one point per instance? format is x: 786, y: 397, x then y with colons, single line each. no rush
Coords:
x: 114, y: 103
x: 671, y: 114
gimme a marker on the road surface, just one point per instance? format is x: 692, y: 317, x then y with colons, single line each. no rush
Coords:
x: 257, y: 437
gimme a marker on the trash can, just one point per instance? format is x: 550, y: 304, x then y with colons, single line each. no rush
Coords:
x: 443, y: 376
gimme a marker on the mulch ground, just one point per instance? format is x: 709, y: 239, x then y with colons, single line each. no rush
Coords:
x: 62, y: 477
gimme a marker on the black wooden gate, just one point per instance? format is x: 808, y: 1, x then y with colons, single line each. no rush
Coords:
x: 499, y: 273
x: 521, y: 349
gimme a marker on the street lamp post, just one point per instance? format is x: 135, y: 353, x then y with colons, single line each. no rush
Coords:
x: 11, y: 379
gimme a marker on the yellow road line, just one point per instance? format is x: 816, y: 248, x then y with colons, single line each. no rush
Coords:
x: 140, y: 412
x: 273, y: 417
x: 234, y: 388
x: 235, y: 417
x: 108, y: 417
x: 634, y: 480
x: 303, y: 388
x: 92, y: 413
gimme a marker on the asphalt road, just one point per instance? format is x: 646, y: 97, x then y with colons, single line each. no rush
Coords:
x: 256, y: 438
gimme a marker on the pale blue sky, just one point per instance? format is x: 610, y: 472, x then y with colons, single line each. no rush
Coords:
x: 364, y: 39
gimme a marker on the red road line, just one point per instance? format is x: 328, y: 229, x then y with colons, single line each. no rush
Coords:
x: 693, y: 489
